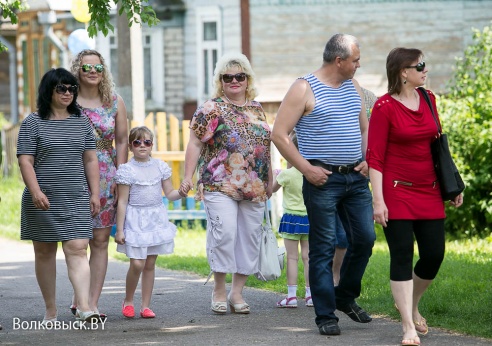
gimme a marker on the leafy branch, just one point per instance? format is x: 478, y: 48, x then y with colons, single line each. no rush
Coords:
x: 8, y: 11
x: 136, y: 11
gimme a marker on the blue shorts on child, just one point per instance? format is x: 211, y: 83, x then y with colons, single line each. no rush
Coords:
x: 294, y: 224
x: 296, y: 227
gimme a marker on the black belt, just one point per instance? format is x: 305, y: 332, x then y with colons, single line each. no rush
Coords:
x: 342, y: 169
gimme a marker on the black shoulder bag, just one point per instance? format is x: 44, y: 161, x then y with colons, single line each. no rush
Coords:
x: 448, y: 176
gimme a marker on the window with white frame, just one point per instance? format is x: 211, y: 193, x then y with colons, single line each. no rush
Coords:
x: 209, y: 38
x: 153, y: 62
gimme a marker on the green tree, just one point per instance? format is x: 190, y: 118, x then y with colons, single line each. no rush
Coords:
x: 136, y: 11
x: 466, y: 113
x: 8, y: 10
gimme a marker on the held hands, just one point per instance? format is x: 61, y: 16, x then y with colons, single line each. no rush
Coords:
x: 457, y: 201
x: 40, y: 201
x: 185, y: 187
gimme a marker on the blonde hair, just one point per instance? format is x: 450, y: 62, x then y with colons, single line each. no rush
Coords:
x: 106, y: 87
x: 240, y: 61
x: 140, y: 132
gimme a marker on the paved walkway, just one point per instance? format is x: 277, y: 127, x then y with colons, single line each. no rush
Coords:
x: 182, y: 305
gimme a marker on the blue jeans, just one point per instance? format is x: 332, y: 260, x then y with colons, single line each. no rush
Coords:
x: 341, y: 236
x: 350, y: 197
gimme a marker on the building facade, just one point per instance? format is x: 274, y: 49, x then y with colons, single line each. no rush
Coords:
x: 284, y: 40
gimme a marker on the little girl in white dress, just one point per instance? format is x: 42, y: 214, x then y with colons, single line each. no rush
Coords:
x: 143, y: 230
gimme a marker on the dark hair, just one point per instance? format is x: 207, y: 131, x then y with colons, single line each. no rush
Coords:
x: 339, y: 45
x: 396, y: 61
x: 46, y: 89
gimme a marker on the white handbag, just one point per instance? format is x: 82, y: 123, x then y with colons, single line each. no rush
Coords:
x: 271, y: 257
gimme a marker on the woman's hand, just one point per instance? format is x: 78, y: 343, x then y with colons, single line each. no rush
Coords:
x: 40, y: 201
x: 380, y: 213
x: 119, y: 237
x: 95, y: 205
x: 114, y: 193
x: 185, y: 187
x: 457, y: 201
x: 269, y: 191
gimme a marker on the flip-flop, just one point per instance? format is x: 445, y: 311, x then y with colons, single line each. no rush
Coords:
x: 421, y: 326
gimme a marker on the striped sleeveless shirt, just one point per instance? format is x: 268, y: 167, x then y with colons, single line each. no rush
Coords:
x: 331, y: 132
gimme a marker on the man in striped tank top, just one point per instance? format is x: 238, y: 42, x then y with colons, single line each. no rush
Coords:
x: 327, y: 111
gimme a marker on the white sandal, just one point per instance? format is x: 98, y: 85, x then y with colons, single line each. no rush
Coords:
x: 240, y: 308
x: 218, y: 307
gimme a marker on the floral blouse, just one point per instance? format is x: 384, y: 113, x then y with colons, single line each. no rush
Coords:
x: 236, y: 156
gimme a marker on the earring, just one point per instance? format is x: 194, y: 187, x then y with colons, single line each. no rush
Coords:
x: 405, y: 81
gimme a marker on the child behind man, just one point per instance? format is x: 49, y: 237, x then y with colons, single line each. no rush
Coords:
x: 294, y: 229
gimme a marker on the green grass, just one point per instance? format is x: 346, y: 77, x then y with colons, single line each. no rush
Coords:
x: 10, y: 193
x: 458, y: 300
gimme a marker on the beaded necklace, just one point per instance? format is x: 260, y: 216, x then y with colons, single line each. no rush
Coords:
x: 232, y: 103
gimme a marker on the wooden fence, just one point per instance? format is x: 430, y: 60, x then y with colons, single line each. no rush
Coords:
x: 170, y: 140
x: 9, y: 150
x: 171, y: 137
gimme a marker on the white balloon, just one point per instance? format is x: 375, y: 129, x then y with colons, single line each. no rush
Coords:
x: 79, y: 40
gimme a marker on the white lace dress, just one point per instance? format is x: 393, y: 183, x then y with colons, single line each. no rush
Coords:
x: 147, y: 228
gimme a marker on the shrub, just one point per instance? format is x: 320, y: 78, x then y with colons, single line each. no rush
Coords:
x: 466, y: 113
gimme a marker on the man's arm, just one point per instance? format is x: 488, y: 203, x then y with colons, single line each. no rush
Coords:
x: 292, y: 108
x: 364, y: 126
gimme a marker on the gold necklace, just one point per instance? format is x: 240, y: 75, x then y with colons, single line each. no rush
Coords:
x: 414, y: 94
x: 232, y: 103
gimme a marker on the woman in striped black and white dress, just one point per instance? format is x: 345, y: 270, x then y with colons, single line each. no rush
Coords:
x: 57, y: 159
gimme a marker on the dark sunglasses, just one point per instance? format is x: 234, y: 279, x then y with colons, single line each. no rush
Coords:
x: 419, y: 67
x: 62, y: 89
x: 228, y: 78
x: 88, y: 67
x: 137, y: 142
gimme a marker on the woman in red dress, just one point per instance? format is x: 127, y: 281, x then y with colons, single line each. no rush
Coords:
x: 406, y: 196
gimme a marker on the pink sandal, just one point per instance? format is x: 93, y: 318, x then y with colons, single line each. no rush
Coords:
x: 309, y: 301
x: 147, y: 313
x: 287, y: 303
x: 128, y: 311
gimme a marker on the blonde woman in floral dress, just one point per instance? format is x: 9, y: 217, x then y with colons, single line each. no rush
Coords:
x: 230, y: 144
x: 107, y: 113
